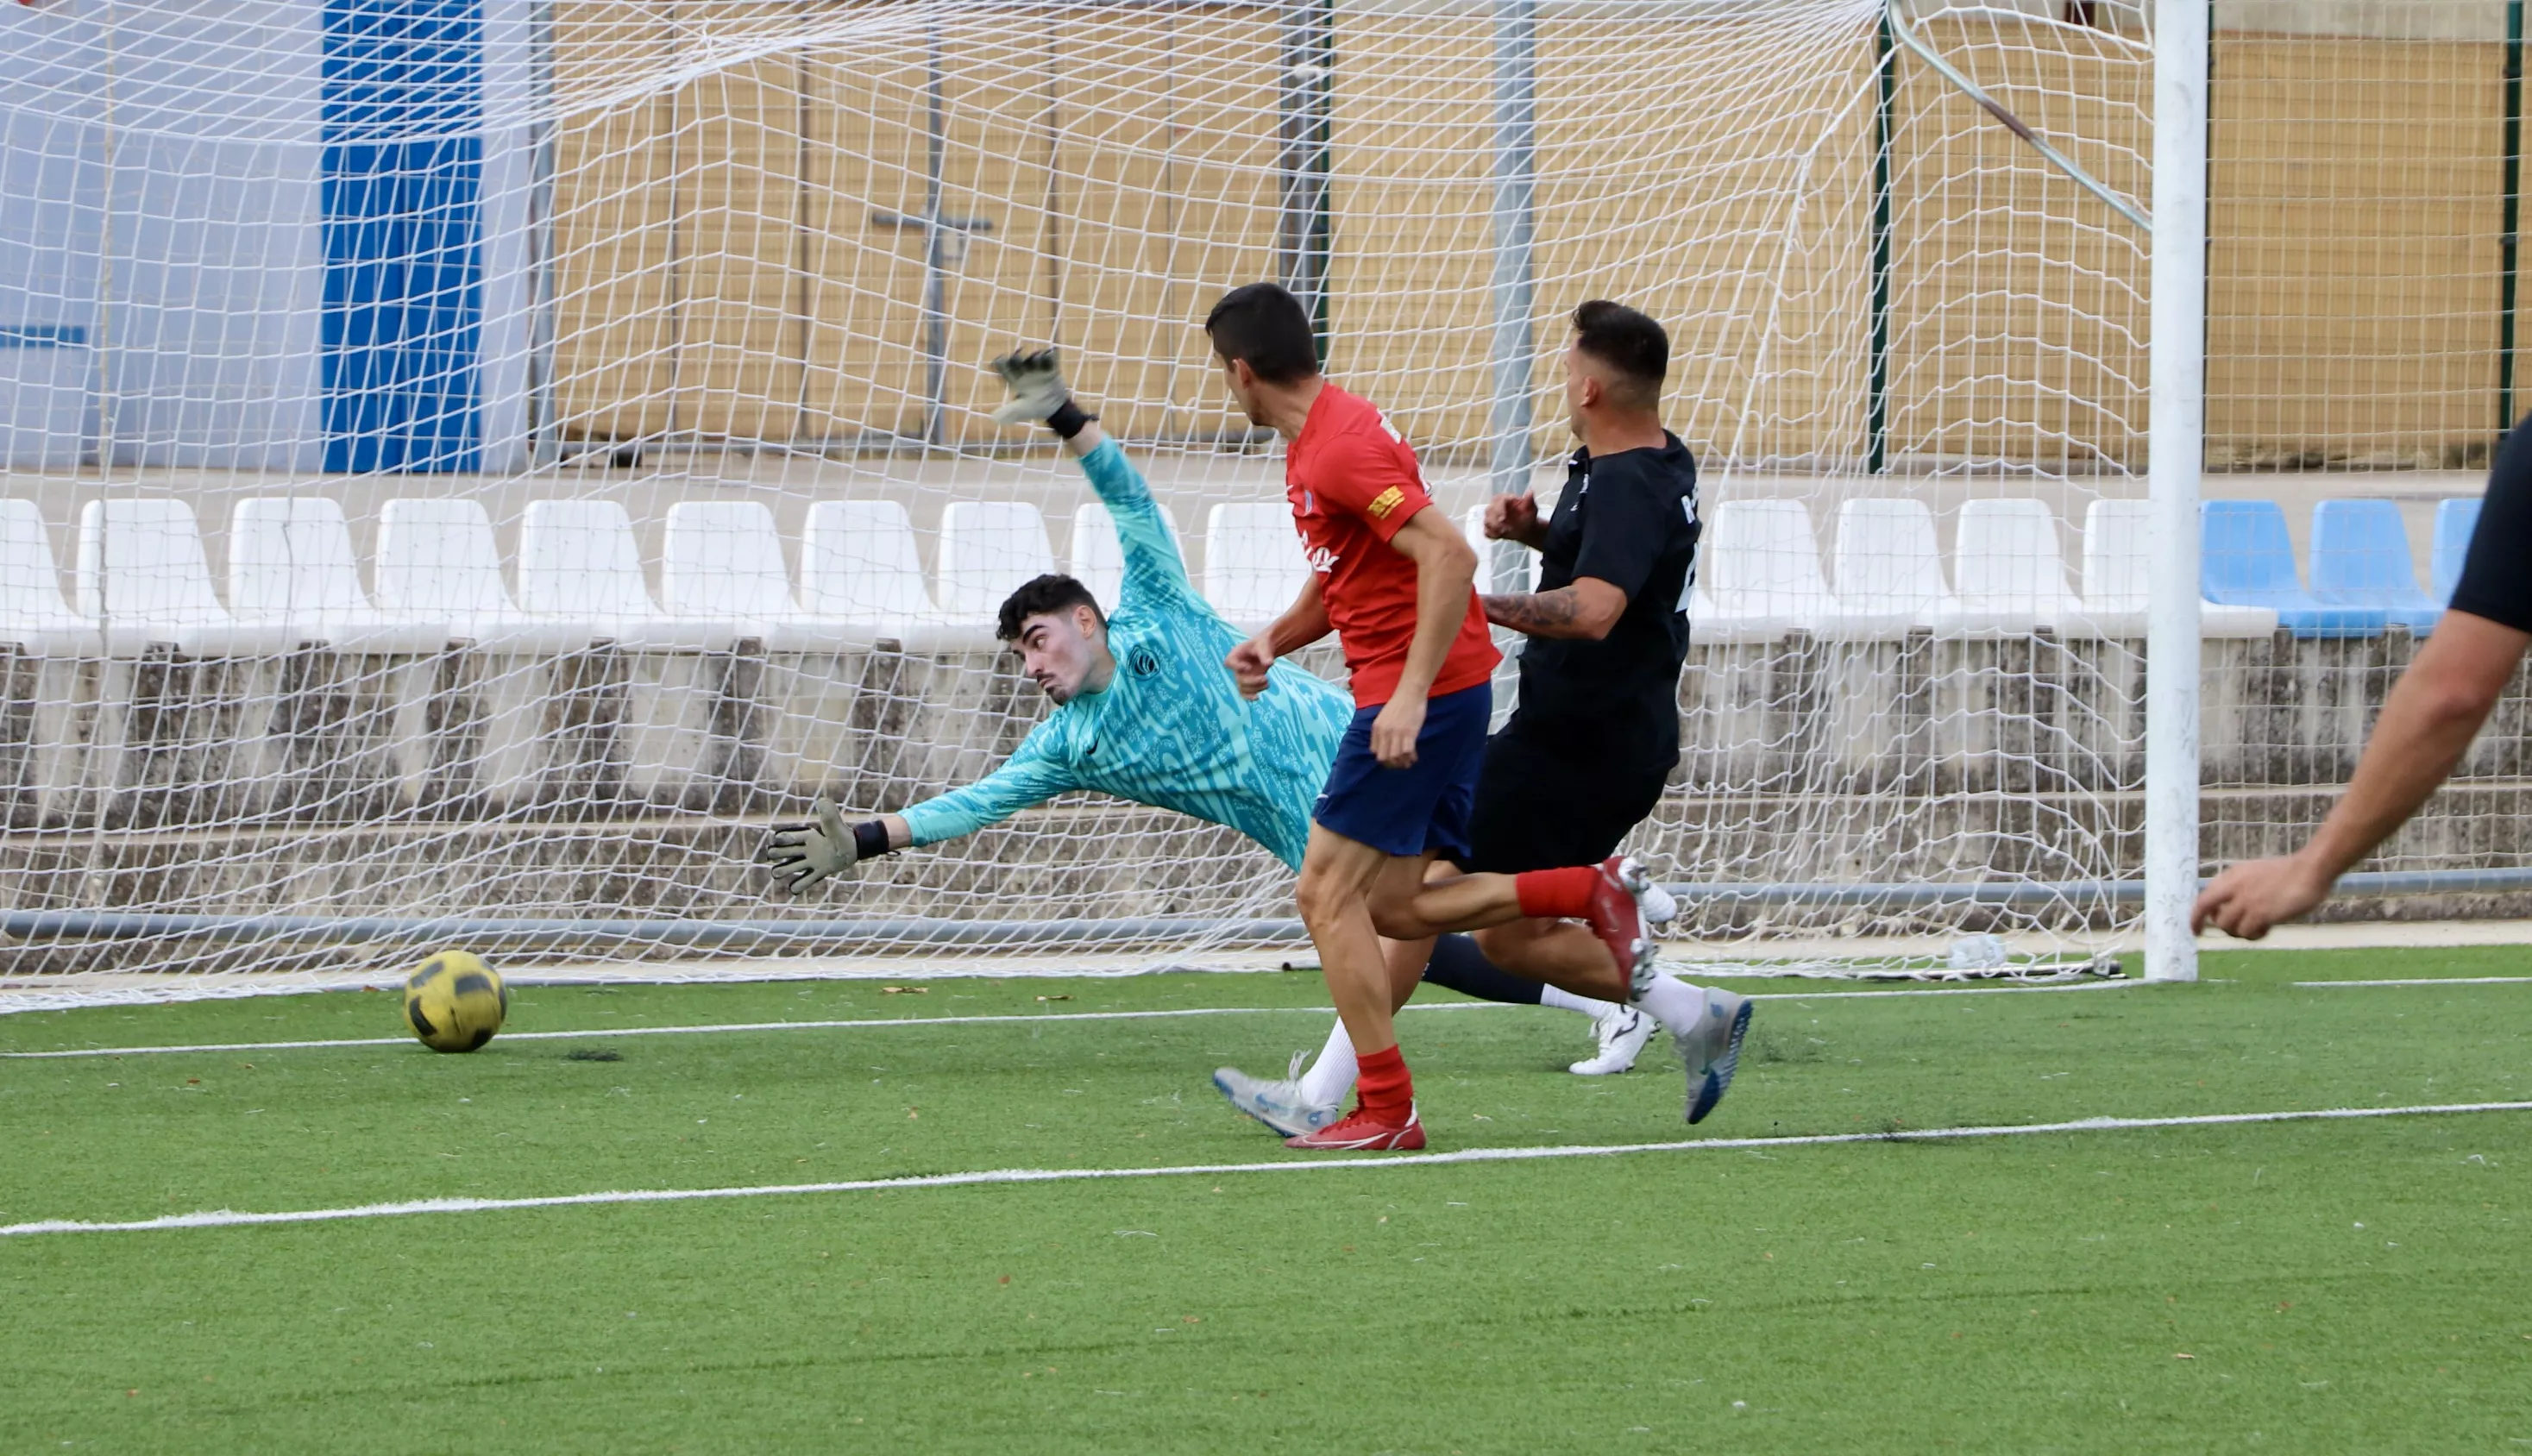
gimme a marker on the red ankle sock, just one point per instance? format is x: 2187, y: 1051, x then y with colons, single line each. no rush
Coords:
x: 1556, y: 894
x: 1387, y: 1092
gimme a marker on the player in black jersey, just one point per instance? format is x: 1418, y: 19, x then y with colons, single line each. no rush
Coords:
x: 1586, y: 754
x: 2427, y: 722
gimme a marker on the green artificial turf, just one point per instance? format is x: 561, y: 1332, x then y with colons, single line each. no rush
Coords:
x: 2356, y: 1286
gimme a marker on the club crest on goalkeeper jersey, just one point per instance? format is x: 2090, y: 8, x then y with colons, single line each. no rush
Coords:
x: 1170, y: 729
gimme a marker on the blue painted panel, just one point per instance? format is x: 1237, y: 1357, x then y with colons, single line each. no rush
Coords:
x: 403, y: 208
x: 42, y: 335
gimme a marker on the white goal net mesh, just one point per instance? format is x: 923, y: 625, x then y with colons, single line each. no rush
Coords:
x: 473, y: 464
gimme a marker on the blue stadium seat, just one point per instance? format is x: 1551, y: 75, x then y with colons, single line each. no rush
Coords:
x: 2455, y: 519
x: 2247, y: 560
x: 2360, y: 558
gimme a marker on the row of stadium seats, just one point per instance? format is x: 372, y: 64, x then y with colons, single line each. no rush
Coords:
x: 143, y: 575
x: 1760, y: 573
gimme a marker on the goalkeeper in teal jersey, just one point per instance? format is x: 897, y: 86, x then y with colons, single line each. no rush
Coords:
x: 1146, y: 711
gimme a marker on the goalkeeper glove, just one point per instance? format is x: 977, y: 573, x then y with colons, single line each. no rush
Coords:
x: 1038, y: 392
x: 801, y: 855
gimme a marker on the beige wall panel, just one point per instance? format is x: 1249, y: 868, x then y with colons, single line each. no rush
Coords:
x: 2018, y: 310
x: 615, y: 248
x: 2353, y: 313
x: 1731, y: 213
x: 715, y: 275
x: 864, y: 369
x: 994, y: 168
x: 1168, y: 147
x: 738, y: 374
x: 1410, y: 310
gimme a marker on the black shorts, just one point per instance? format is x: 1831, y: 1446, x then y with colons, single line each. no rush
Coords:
x: 1543, y: 804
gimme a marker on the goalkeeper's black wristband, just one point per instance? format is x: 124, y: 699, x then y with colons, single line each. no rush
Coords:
x: 1068, y: 418
x: 870, y: 839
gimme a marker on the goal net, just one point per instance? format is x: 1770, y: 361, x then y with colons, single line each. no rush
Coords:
x: 473, y: 464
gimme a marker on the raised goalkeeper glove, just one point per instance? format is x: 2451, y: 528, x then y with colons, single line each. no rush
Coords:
x: 801, y: 855
x: 1038, y: 392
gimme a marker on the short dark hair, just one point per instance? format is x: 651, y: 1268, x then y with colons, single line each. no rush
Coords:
x: 1629, y: 341
x: 1262, y: 325
x: 1038, y: 596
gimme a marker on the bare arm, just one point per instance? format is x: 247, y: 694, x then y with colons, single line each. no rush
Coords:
x: 2427, y: 724
x: 1305, y: 621
x: 1585, y: 611
x: 1446, y: 567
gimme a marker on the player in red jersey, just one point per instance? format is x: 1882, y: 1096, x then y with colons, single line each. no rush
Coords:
x: 1396, y: 583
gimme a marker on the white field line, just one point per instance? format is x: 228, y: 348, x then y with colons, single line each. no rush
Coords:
x: 744, y: 1026
x: 229, y: 1218
x: 962, y: 1021
x: 2324, y: 986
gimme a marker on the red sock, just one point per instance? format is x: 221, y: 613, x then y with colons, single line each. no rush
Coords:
x: 1556, y: 894
x: 1387, y: 1092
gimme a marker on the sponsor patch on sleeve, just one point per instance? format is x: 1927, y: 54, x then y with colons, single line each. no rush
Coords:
x: 1385, y: 502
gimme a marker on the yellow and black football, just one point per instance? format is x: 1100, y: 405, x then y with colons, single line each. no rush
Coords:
x: 455, y: 1001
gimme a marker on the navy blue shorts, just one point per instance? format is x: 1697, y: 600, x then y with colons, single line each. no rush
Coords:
x: 1426, y: 807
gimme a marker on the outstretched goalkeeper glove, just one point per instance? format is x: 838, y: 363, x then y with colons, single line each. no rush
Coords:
x: 1038, y: 392
x: 801, y: 855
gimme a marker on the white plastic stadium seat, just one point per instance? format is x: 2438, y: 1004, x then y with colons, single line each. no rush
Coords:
x: 2008, y: 565
x: 437, y: 561
x: 1759, y: 571
x: 2118, y: 570
x: 859, y: 565
x: 724, y: 558
x: 1889, y: 571
x: 579, y: 561
x: 857, y: 560
x: 1253, y: 566
x: 291, y: 564
x: 1099, y: 557
x: 988, y: 548
x: 142, y: 573
x: 724, y: 561
x: 33, y: 615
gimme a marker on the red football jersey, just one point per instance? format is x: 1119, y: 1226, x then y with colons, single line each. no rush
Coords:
x: 1353, y: 483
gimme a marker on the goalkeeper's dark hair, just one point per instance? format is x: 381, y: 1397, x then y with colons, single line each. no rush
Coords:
x: 1630, y: 344
x: 1265, y: 327
x: 1039, y: 596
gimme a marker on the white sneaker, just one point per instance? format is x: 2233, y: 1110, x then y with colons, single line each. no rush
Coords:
x: 1660, y: 909
x: 1277, y: 1104
x: 1622, y: 1035
x: 1713, y: 1052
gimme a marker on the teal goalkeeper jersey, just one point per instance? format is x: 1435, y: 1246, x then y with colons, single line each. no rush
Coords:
x: 1170, y: 729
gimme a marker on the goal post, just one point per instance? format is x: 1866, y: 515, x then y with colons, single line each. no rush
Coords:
x: 2177, y: 453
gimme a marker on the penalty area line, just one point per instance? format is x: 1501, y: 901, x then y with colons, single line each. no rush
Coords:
x: 230, y: 1218
x: 592, y: 1034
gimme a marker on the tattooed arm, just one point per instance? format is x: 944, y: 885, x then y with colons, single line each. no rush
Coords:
x: 1581, y: 612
